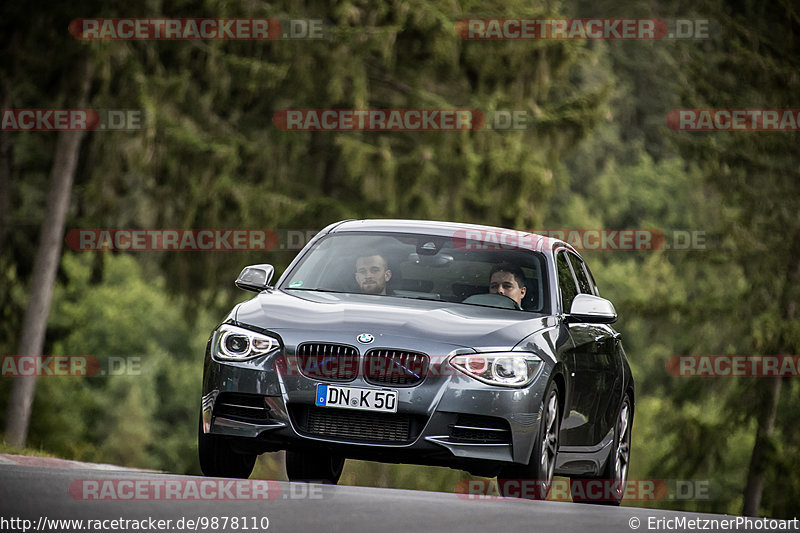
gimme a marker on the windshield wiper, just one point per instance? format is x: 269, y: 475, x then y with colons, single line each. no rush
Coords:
x: 316, y: 290
x: 429, y: 298
x: 490, y: 306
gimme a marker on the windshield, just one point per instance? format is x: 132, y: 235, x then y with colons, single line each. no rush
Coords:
x: 422, y: 267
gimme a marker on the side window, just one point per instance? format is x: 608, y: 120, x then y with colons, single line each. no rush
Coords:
x: 566, y: 283
x: 592, y: 282
x: 580, y: 274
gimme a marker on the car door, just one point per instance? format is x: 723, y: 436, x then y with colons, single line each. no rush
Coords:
x: 594, y: 369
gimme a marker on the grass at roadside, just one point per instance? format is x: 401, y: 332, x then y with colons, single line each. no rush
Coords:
x: 20, y: 450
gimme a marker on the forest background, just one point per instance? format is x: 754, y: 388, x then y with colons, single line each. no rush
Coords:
x: 597, y: 153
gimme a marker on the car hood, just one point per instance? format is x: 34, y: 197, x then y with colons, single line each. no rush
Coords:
x: 437, y: 322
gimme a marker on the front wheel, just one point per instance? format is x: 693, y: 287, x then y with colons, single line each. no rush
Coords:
x: 314, y: 467
x: 533, y: 480
x: 218, y: 459
x: 615, y: 474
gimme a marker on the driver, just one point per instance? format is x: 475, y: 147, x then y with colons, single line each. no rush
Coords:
x: 508, y: 280
x: 372, y: 274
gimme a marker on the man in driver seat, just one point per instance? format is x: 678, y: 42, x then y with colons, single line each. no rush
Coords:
x: 372, y: 274
x: 508, y: 280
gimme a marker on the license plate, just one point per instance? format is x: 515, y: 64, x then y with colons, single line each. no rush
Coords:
x: 383, y: 400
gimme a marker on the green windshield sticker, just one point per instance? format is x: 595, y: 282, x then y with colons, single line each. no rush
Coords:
x: 294, y: 284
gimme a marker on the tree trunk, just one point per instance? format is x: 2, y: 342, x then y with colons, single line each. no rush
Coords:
x: 45, y: 267
x: 762, y: 450
x: 6, y: 153
x: 763, y: 455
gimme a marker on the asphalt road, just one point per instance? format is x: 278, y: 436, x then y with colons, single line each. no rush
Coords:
x: 42, y: 491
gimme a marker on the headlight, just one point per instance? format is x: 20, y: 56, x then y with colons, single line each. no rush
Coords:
x: 237, y: 344
x: 511, y: 369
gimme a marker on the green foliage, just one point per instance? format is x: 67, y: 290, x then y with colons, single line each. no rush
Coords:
x: 152, y: 360
x: 599, y: 156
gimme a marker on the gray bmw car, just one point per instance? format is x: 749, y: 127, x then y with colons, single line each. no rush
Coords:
x: 477, y: 348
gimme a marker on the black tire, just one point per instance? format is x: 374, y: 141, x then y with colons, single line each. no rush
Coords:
x: 533, y: 481
x: 615, y: 474
x: 218, y: 459
x: 314, y: 467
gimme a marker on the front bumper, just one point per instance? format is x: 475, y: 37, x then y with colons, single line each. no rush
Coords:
x: 448, y: 419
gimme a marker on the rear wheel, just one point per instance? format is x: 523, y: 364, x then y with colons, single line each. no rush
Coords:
x: 533, y: 481
x: 615, y: 474
x: 218, y: 459
x: 314, y: 467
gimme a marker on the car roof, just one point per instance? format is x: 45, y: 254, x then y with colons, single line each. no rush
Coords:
x: 523, y: 239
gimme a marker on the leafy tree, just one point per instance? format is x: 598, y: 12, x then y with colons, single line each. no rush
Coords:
x: 153, y: 363
x: 755, y: 66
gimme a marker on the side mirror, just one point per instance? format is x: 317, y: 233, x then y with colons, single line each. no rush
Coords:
x: 592, y: 309
x: 255, y: 278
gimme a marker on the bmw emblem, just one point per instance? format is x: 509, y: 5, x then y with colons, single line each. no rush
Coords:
x: 365, y: 338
